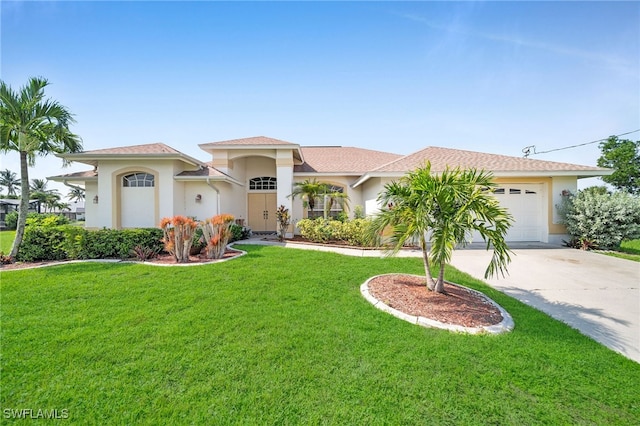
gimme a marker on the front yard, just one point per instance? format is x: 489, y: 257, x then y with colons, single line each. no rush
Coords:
x: 284, y: 336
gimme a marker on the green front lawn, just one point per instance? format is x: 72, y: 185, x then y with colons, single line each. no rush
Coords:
x: 629, y: 250
x: 6, y: 240
x: 284, y: 336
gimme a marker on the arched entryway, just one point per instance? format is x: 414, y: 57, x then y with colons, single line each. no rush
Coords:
x: 137, y: 199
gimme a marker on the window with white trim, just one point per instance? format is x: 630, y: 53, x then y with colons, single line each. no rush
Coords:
x: 263, y: 183
x: 138, y: 180
x: 337, y: 206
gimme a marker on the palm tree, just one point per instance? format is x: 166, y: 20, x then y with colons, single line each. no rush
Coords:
x: 32, y: 125
x: 9, y: 180
x: 332, y: 197
x: 442, y: 211
x: 309, y: 191
x: 76, y: 194
x: 45, y: 196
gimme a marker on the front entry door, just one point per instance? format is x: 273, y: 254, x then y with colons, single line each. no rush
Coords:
x: 262, y: 212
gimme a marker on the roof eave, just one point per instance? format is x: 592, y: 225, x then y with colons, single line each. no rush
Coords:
x: 92, y: 159
x: 208, y: 178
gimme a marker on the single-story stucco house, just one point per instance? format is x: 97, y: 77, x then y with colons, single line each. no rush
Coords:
x: 136, y: 186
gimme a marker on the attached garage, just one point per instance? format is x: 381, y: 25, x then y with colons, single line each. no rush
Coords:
x: 525, y: 203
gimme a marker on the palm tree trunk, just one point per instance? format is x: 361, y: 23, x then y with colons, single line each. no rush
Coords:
x: 425, y: 259
x: 439, y: 287
x: 23, y: 209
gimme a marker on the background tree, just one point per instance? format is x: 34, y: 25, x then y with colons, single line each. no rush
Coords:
x: 49, y: 198
x: 9, y: 180
x: 76, y: 194
x: 32, y: 125
x: 442, y: 211
x: 622, y: 155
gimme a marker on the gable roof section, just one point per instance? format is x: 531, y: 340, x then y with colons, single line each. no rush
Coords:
x: 87, y: 175
x: 499, y: 165
x: 344, y: 160
x: 255, y: 142
x: 147, y: 151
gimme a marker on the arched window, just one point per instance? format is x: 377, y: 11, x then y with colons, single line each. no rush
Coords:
x: 334, y: 204
x: 138, y: 180
x: 263, y: 183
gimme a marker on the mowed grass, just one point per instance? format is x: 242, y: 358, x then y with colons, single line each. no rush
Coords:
x: 283, y: 336
x: 629, y: 250
x: 6, y: 240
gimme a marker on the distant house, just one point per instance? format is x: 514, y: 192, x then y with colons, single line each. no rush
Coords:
x: 136, y: 186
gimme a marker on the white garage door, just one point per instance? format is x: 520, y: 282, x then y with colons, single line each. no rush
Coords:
x: 524, y: 202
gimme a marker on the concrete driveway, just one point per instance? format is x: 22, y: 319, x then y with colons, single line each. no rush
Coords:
x: 596, y: 294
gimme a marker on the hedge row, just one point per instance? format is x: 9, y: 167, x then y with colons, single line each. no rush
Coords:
x: 73, y: 242
x: 354, y: 232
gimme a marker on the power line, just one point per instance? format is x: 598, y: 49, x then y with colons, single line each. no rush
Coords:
x: 527, y: 149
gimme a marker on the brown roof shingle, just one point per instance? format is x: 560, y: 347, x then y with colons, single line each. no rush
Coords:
x: 151, y: 148
x: 336, y: 159
x: 442, y: 157
x: 255, y: 140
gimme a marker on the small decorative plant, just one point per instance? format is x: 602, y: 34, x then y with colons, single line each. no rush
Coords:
x: 178, y: 236
x: 216, y: 233
x: 143, y: 253
x: 284, y: 220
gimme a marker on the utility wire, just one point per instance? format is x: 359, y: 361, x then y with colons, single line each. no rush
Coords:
x: 527, y: 149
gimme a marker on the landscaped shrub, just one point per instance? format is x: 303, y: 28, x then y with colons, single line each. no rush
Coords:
x: 113, y: 243
x: 178, y: 236
x: 46, y: 219
x: 239, y: 232
x: 353, y: 232
x: 42, y: 243
x: 73, y: 242
x: 217, y: 233
x: 602, y: 220
x: 11, y: 220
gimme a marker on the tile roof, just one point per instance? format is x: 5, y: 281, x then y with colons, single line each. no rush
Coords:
x: 255, y: 140
x: 335, y: 159
x: 442, y: 157
x: 151, y: 148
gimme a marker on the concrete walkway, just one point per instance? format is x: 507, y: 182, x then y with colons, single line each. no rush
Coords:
x: 596, y: 294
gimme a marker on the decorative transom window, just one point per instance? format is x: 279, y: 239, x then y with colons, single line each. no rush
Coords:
x: 138, y: 180
x: 263, y: 183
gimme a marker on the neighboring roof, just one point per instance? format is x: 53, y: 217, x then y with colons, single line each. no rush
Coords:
x: 255, y: 142
x: 345, y: 160
x: 147, y: 151
x: 500, y: 165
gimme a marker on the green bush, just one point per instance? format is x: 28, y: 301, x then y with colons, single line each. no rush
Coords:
x: 11, y: 220
x: 35, y: 219
x: 601, y: 220
x: 43, y: 243
x: 72, y: 242
x: 352, y: 232
x: 46, y: 219
x: 239, y: 232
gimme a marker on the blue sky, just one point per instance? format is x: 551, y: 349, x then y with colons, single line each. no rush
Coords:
x: 392, y: 76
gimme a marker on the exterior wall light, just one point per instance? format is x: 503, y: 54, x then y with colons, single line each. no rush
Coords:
x: 95, y: 200
x: 198, y: 198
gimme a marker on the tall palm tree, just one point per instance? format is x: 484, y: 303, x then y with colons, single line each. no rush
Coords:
x: 9, y: 180
x: 76, y: 194
x: 32, y: 125
x: 309, y: 191
x: 442, y: 211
